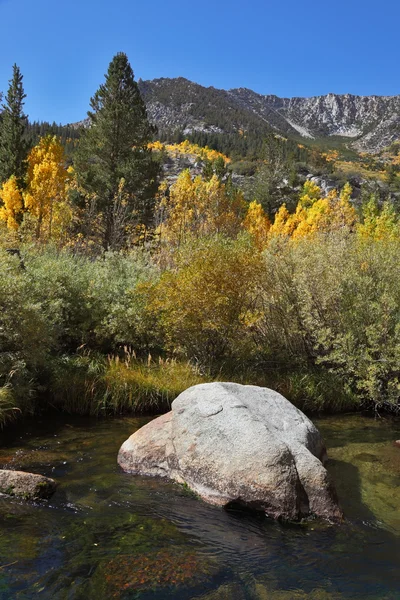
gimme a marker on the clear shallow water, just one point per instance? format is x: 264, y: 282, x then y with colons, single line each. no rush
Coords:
x: 105, y: 534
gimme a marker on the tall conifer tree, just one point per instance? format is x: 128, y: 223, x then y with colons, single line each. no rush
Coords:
x: 13, y: 146
x: 113, y: 163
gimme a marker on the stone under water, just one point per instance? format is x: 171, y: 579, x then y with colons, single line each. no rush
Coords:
x: 29, y: 486
x: 243, y: 444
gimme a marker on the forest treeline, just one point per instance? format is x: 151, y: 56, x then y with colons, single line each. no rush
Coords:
x: 118, y: 291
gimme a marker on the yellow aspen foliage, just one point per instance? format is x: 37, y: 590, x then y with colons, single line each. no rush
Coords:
x: 11, y: 197
x: 378, y: 224
x: 158, y: 146
x: 311, y: 219
x: 209, y: 297
x: 279, y: 226
x: 327, y: 214
x: 198, y: 207
x: 343, y: 211
x: 257, y: 224
x: 285, y: 223
x: 187, y: 147
x: 46, y: 194
x: 311, y: 192
x: 331, y: 156
x: 315, y: 214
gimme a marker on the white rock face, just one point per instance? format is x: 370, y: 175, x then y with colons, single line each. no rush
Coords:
x: 237, y: 444
x: 370, y: 122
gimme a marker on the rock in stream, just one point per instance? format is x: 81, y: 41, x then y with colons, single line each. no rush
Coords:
x: 26, y: 485
x: 232, y: 443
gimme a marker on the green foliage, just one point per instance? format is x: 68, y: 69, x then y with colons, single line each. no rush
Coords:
x: 68, y: 135
x: 316, y: 318
x: 8, y: 408
x: 276, y: 179
x: 316, y: 390
x: 13, y: 147
x: 91, y: 303
x: 338, y: 307
x: 25, y: 338
x: 113, y: 153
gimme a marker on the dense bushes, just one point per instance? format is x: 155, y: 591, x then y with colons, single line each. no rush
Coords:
x: 204, y: 301
x: 318, y: 318
x: 61, y: 305
x: 342, y: 299
x: 90, y: 303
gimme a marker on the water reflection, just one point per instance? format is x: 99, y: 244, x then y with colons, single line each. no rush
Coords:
x: 106, y: 534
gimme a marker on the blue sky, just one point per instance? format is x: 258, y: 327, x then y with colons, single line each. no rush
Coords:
x: 284, y: 47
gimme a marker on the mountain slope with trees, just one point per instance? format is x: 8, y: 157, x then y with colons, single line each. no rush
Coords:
x: 288, y: 282
x: 365, y: 123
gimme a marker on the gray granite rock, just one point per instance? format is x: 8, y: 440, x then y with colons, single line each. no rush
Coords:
x: 237, y: 444
x: 26, y: 485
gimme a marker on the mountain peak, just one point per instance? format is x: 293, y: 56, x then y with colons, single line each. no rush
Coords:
x: 368, y: 123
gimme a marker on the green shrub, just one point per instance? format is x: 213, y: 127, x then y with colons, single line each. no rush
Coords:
x: 25, y: 338
x: 8, y: 407
x: 84, y: 299
x: 336, y: 301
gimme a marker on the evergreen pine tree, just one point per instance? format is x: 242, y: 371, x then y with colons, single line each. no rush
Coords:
x: 13, y: 146
x: 113, y: 153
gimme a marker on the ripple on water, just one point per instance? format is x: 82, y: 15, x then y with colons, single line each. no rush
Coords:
x: 106, y: 534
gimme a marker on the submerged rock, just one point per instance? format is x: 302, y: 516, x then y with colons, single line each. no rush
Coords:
x: 26, y: 485
x: 234, y: 443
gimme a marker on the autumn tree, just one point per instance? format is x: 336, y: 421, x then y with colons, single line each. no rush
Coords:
x: 378, y: 223
x: 13, y: 147
x: 11, y: 197
x: 257, y: 224
x: 46, y: 194
x: 114, y: 148
x: 207, y: 303
x: 196, y: 207
x: 315, y: 214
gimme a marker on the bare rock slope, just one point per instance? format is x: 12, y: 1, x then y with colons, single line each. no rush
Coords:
x: 367, y: 123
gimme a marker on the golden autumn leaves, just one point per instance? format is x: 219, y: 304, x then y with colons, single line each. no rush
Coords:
x: 44, y: 201
x: 191, y: 207
x: 195, y: 207
x: 12, y: 203
x: 187, y: 147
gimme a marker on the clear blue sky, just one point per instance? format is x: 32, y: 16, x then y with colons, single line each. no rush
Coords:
x: 283, y: 47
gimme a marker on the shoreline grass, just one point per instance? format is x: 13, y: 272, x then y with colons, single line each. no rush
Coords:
x: 111, y: 385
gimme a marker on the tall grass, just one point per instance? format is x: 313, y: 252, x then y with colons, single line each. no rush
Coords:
x: 9, y: 411
x: 140, y: 386
x: 116, y: 384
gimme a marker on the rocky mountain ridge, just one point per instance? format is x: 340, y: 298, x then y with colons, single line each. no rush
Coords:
x: 365, y: 123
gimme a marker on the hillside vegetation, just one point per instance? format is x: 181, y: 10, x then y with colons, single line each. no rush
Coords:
x: 119, y: 289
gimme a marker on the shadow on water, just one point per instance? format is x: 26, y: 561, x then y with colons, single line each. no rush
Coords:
x: 106, y: 534
x: 348, y: 486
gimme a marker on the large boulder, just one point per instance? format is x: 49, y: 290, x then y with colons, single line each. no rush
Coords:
x: 234, y: 443
x: 26, y: 485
